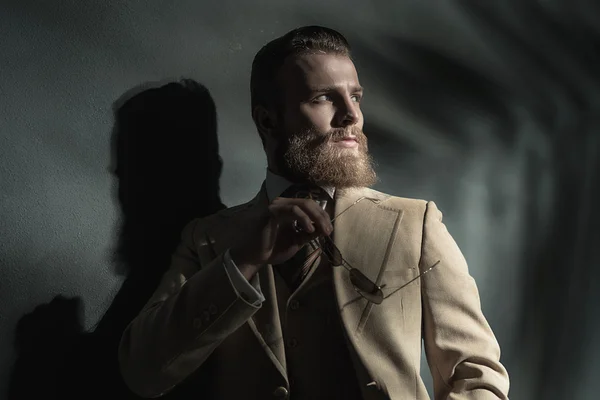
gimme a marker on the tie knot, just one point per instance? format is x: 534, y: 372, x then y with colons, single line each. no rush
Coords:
x: 306, y: 191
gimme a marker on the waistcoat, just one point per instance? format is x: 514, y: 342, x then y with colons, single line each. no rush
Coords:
x: 318, y: 361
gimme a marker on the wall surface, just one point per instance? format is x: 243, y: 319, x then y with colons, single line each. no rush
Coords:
x: 491, y: 111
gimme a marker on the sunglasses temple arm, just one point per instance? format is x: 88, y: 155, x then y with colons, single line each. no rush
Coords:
x: 348, y: 266
x: 372, y: 200
x: 415, y: 278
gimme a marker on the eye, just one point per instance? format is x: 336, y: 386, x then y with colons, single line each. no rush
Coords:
x: 357, y: 98
x: 323, y: 97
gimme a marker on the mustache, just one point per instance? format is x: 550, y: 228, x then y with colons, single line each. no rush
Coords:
x: 340, y: 133
x: 313, y: 139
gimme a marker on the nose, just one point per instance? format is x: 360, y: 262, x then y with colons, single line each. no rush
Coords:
x: 348, y: 114
x: 351, y: 118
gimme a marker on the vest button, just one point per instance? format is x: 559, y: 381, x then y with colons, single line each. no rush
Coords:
x: 292, y: 343
x: 294, y: 304
x: 281, y: 393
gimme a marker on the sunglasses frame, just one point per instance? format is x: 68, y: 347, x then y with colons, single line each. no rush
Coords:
x: 375, y: 293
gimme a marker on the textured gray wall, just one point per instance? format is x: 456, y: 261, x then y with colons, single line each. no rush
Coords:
x: 471, y: 107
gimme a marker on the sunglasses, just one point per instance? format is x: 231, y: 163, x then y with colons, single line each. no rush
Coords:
x: 361, y: 283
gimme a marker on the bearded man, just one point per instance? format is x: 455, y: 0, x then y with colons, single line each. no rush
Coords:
x: 320, y: 287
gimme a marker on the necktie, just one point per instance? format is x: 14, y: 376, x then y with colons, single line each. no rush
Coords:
x: 297, y: 268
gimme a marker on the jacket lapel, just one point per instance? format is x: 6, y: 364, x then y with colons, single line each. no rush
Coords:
x: 364, y: 234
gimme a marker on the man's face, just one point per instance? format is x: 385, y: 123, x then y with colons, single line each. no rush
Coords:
x: 319, y: 136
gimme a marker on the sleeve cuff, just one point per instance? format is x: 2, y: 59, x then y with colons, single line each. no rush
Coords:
x: 248, y: 291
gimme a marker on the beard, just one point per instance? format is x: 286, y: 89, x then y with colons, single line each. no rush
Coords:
x: 312, y: 157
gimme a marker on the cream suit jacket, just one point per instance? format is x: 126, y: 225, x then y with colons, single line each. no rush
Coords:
x: 195, y: 326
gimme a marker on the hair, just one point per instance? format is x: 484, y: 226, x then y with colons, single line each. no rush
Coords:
x: 270, y: 58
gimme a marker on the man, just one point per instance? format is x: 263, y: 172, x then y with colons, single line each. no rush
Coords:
x: 272, y: 298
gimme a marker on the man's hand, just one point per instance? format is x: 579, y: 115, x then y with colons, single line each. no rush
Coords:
x: 267, y: 234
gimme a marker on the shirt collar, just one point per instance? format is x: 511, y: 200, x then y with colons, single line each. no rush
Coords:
x: 277, y: 184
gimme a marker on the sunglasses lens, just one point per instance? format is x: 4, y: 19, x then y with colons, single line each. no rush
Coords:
x: 335, y: 257
x: 363, y: 285
x: 367, y: 288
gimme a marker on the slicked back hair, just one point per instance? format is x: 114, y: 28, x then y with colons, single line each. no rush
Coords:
x: 268, y: 61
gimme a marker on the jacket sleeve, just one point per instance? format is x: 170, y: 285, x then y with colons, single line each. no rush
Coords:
x: 462, y: 352
x: 191, y: 312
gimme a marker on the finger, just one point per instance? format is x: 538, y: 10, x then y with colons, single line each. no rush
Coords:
x: 287, y: 213
x: 314, y: 212
x: 303, y: 238
x: 318, y: 215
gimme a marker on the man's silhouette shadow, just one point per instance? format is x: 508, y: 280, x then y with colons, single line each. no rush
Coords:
x: 166, y: 151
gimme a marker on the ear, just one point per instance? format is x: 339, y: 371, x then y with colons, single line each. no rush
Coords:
x: 265, y: 120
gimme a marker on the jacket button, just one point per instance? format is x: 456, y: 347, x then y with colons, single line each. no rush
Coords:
x: 373, y: 384
x: 197, y: 323
x: 292, y: 343
x: 281, y: 393
x: 212, y: 309
x: 205, y: 316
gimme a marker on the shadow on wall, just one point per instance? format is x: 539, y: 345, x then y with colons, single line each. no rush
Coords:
x: 167, y: 163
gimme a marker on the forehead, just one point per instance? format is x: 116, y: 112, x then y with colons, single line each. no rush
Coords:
x: 311, y: 72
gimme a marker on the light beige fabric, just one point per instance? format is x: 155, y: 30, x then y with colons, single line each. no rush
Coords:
x: 195, y: 315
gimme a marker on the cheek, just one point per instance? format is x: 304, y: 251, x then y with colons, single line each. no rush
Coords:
x: 361, y: 119
x: 296, y: 121
x: 292, y: 120
x: 318, y: 118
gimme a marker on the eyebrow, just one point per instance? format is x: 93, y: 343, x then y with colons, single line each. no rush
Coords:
x: 353, y: 88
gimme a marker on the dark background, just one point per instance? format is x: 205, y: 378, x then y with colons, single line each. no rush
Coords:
x: 490, y: 109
